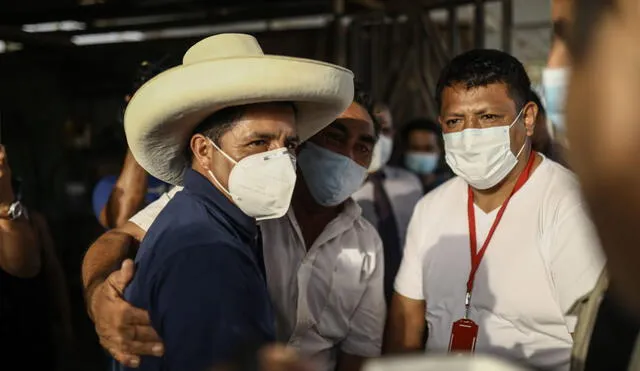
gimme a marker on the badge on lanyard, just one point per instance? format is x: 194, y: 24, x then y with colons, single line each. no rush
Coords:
x: 464, y: 332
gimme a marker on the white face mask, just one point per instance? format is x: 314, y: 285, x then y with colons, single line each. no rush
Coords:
x: 261, y: 185
x: 381, y: 153
x: 482, y: 157
x: 555, y: 83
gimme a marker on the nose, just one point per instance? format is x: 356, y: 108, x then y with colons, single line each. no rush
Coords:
x: 471, y: 122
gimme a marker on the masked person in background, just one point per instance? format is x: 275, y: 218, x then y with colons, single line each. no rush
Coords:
x: 324, y: 261
x: 555, y: 77
x: 542, y: 140
x: 423, y: 153
x: 200, y: 271
x: 516, y: 248
x: 116, y: 198
x: 388, y: 198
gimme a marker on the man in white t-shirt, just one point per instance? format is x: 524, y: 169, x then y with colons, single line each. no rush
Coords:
x: 535, y: 250
x: 323, y: 261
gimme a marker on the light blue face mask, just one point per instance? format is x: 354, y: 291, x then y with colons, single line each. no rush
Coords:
x: 422, y: 163
x: 330, y: 177
x: 555, y: 82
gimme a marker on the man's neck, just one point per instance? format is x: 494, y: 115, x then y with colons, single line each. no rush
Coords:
x: 306, y: 207
x: 490, y: 199
x: 311, y: 216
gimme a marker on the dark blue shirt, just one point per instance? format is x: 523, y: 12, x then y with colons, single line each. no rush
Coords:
x: 199, y: 275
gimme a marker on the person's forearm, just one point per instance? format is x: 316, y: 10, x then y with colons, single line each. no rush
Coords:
x: 405, y: 328
x: 127, y: 196
x: 19, y: 248
x: 104, y: 257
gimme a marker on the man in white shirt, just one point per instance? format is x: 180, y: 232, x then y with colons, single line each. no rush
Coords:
x: 324, y: 262
x: 388, y: 197
x: 535, y: 250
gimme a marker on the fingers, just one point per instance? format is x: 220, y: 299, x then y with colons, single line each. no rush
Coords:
x: 135, y: 316
x: 121, y: 278
x: 146, y: 334
x: 128, y: 360
x: 144, y: 348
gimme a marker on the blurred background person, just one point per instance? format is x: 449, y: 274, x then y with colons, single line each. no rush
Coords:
x: 603, y: 130
x: 35, y: 322
x: 555, y: 76
x: 388, y: 196
x: 422, y: 152
x: 116, y: 198
x: 542, y: 141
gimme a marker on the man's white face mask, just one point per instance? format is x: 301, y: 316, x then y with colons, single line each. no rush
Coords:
x: 482, y: 157
x: 261, y: 185
x: 381, y: 153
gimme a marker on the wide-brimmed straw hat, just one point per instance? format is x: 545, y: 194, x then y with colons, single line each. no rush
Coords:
x: 223, y: 71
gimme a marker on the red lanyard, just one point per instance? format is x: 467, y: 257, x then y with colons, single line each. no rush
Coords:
x: 476, y: 256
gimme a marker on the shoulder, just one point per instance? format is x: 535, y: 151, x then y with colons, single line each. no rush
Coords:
x: 442, y: 196
x: 559, y: 186
x: 367, y: 235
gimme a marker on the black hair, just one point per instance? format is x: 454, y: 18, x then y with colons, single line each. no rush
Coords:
x: 217, y: 124
x: 588, y: 15
x: 145, y: 72
x: 426, y: 125
x: 482, y: 67
x: 148, y: 70
x: 362, y: 97
x: 421, y: 124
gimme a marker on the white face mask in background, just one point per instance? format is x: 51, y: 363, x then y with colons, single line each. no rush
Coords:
x: 482, y: 157
x: 381, y: 153
x: 261, y: 185
x: 555, y: 82
x: 330, y: 177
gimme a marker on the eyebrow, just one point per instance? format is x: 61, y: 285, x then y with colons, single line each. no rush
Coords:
x: 368, y: 139
x: 272, y: 136
x: 338, y: 126
x: 494, y: 111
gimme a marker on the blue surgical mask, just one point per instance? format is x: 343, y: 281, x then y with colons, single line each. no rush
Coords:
x: 422, y: 163
x: 555, y: 82
x: 331, y: 177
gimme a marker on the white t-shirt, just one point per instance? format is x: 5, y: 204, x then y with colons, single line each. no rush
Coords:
x: 543, y: 256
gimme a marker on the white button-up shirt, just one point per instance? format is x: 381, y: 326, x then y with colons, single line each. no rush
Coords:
x: 328, y: 297
x: 404, y: 191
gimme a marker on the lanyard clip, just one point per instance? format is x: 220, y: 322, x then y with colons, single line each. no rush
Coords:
x: 467, y: 305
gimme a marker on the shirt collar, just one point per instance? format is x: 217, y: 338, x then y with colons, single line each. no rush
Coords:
x: 216, y: 201
x: 351, y: 212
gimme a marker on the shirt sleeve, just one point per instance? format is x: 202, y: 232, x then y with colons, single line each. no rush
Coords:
x: 366, y: 326
x: 145, y: 217
x: 576, y: 259
x: 101, y: 194
x: 409, y: 279
x: 204, y: 307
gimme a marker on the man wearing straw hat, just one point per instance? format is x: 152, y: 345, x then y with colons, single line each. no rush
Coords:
x: 224, y: 125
